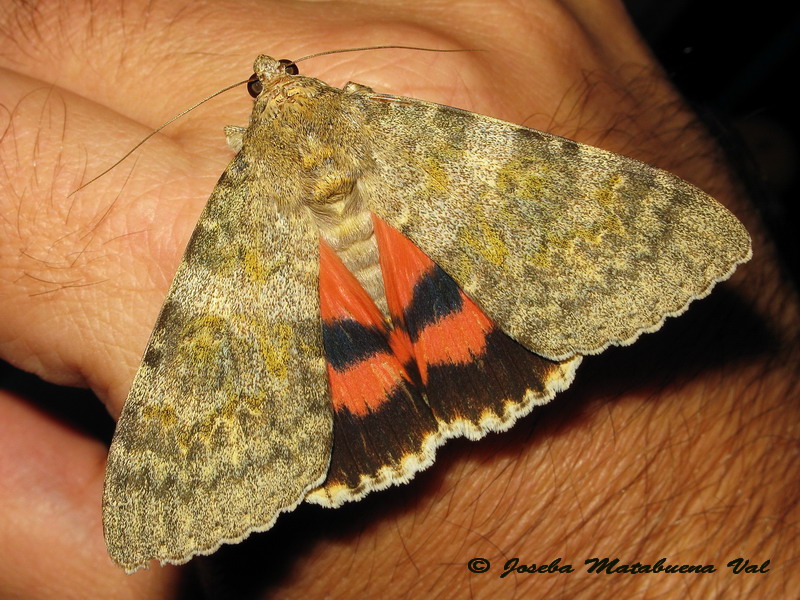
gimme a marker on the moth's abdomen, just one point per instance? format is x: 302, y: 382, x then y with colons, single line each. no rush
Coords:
x: 350, y: 234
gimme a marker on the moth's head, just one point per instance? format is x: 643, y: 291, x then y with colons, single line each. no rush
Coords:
x: 265, y: 70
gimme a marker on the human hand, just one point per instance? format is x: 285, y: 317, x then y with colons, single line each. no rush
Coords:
x: 83, y: 277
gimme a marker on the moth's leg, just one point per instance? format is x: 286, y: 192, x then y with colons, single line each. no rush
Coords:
x: 234, y: 137
x: 356, y: 88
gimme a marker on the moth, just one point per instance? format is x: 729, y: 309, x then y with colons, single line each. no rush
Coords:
x: 371, y: 276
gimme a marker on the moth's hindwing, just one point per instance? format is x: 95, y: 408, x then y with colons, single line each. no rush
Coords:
x: 476, y: 378
x: 568, y: 248
x: 442, y: 370
x: 228, y: 422
x: 381, y: 420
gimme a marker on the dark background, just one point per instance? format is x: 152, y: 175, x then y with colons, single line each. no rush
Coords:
x: 736, y: 66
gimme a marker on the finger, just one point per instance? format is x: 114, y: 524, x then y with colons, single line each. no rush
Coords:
x: 76, y: 269
x: 50, y: 490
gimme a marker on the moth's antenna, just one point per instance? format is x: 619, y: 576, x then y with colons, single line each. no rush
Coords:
x: 191, y: 108
x: 152, y: 133
x: 382, y: 48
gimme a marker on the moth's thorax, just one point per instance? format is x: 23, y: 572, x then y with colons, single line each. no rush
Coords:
x: 292, y: 94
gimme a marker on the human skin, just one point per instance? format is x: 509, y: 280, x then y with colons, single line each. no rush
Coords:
x: 681, y: 446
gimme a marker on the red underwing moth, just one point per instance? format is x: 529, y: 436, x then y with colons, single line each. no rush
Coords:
x: 371, y: 276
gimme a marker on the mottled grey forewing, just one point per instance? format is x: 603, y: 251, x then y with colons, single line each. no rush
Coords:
x: 567, y: 247
x: 228, y: 421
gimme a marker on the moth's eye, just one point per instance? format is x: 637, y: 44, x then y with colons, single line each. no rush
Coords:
x: 254, y: 86
x: 289, y: 67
